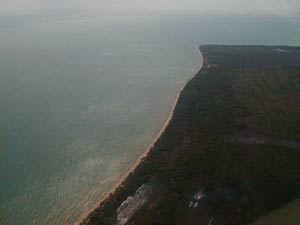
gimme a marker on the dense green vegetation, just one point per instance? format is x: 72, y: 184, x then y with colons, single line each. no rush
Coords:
x: 240, y: 89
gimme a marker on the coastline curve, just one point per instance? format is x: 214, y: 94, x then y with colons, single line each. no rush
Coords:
x: 145, y: 154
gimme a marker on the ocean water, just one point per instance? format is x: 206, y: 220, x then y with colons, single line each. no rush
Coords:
x: 82, y: 97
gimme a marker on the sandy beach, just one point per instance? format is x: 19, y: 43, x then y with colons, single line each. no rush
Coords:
x: 136, y: 164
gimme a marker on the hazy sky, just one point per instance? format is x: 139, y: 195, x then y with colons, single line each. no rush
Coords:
x: 280, y: 7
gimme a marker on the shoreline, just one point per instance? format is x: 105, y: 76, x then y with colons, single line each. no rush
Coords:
x: 139, y: 160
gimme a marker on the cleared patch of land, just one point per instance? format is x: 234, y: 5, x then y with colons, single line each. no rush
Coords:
x: 231, y: 152
x: 286, y: 215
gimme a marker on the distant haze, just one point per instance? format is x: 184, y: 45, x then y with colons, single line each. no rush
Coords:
x: 277, y: 7
x: 85, y: 86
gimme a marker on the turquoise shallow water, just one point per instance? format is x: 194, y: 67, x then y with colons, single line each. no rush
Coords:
x: 82, y: 98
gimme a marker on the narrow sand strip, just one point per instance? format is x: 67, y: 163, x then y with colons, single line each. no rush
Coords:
x: 137, y: 163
